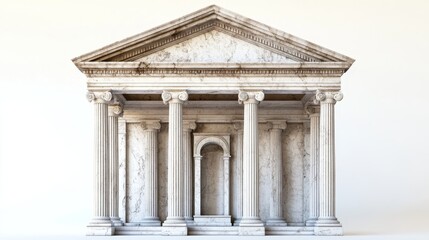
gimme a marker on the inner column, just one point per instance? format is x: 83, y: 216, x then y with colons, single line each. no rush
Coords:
x: 276, y: 209
x: 150, y: 208
x: 175, y: 223
x: 251, y: 223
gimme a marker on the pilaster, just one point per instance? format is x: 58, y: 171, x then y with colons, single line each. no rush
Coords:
x: 276, y: 208
x: 100, y: 223
x: 238, y: 126
x: 114, y: 111
x: 150, y: 210
x: 251, y: 223
x: 314, y: 114
x: 188, y: 127
x: 327, y: 223
x: 175, y: 223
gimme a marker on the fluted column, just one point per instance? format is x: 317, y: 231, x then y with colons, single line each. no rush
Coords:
x: 276, y: 208
x: 327, y: 159
x: 175, y: 217
x: 100, y: 223
x: 251, y: 217
x: 238, y: 126
x: 114, y: 112
x: 313, y: 111
x: 188, y: 127
x: 150, y: 200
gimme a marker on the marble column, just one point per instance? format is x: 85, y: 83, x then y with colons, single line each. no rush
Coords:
x: 175, y: 223
x: 313, y: 209
x: 327, y: 223
x: 188, y: 127
x: 114, y: 112
x: 276, y: 204
x: 238, y: 126
x: 150, y: 199
x: 100, y: 223
x: 251, y: 223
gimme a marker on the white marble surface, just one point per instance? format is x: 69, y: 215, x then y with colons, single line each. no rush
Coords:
x: 135, y: 171
x: 215, y: 46
x: 293, y: 168
x: 212, y: 178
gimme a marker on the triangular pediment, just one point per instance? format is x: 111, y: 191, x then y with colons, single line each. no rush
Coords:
x: 216, y: 35
x: 215, y: 47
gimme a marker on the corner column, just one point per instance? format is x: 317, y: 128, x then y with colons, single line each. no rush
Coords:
x: 188, y: 127
x: 150, y: 209
x: 327, y: 223
x: 114, y: 112
x: 276, y: 209
x: 251, y: 223
x: 100, y: 223
x: 314, y: 114
x: 175, y: 223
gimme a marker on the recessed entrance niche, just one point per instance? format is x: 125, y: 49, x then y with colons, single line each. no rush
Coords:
x: 211, y: 161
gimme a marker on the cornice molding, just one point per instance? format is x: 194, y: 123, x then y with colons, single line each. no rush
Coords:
x: 133, y: 69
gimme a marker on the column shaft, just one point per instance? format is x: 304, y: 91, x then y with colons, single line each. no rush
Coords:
x: 327, y: 159
x: 314, y: 168
x: 175, y: 216
x: 276, y: 207
x: 187, y: 170
x: 239, y: 166
x: 150, y: 199
x: 100, y: 223
x: 114, y: 111
x: 250, y: 160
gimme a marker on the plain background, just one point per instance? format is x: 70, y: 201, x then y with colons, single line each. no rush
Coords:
x: 381, y: 124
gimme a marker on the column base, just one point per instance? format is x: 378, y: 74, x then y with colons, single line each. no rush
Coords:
x: 251, y: 227
x: 189, y: 221
x: 116, y: 221
x: 100, y: 226
x: 328, y: 227
x: 276, y: 222
x: 311, y: 222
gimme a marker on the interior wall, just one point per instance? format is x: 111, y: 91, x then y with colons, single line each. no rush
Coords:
x: 295, y: 151
x: 212, y: 179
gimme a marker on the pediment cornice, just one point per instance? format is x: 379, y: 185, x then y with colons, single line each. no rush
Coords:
x: 208, y: 19
x: 135, y: 69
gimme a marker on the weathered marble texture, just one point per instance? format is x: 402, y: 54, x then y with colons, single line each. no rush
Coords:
x: 293, y: 168
x: 212, y: 178
x: 122, y: 157
x: 162, y: 171
x: 306, y: 176
x: 215, y: 46
x: 295, y: 153
x: 135, y: 170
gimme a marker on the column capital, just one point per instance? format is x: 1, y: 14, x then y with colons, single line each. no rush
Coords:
x: 329, y: 97
x: 151, y: 125
x: 99, y: 97
x: 176, y: 96
x: 115, y: 110
x: 189, y: 125
x: 276, y: 125
x: 245, y: 97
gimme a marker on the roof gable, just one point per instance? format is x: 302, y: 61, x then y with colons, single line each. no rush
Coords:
x: 280, y: 46
x: 215, y: 47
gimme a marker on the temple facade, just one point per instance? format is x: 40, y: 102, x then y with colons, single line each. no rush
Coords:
x: 214, y: 124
